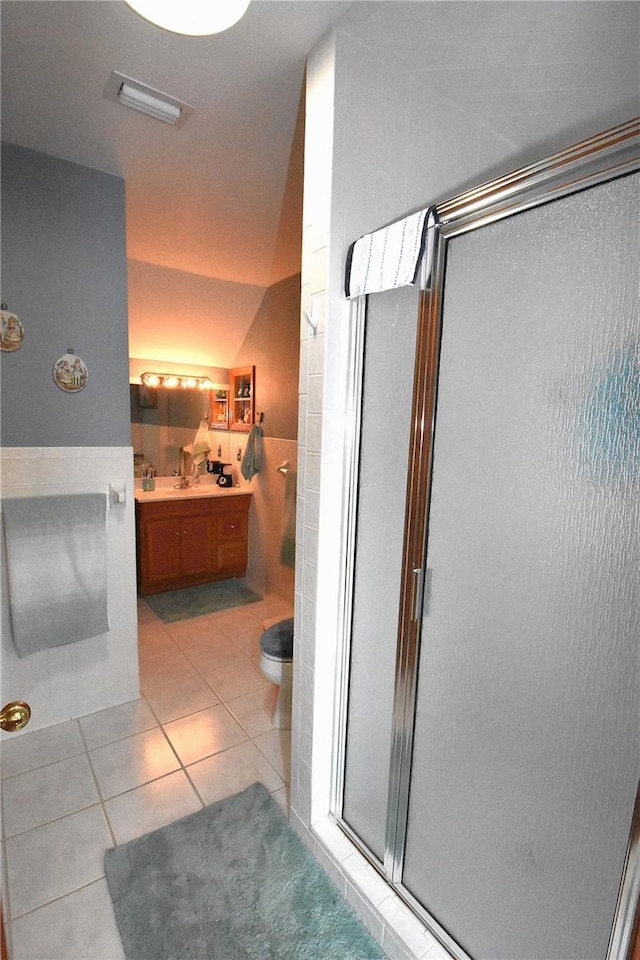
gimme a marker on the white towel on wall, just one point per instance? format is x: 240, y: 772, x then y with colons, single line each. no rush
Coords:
x: 57, y: 569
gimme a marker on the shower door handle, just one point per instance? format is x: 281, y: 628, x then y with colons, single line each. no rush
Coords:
x: 15, y: 715
x: 417, y: 587
x: 420, y: 592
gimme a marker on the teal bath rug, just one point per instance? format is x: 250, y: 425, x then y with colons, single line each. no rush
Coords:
x: 196, y: 601
x: 230, y: 882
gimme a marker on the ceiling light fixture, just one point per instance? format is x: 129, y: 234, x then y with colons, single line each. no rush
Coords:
x: 148, y: 103
x: 132, y: 93
x: 195, y: 18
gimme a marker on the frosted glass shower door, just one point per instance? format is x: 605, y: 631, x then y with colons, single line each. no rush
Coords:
x: 386, y: 406
x: 526, y: 744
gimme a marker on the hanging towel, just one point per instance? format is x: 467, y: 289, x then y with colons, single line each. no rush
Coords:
x: 252, y: 459
x: 388, y: 258
x: 200, y: 447
x: 57, y: 569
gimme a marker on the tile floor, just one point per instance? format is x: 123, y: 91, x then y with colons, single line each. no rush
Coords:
x: 201, y: 731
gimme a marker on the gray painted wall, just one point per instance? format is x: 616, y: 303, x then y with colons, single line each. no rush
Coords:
x: 64, y: 275
x: 272, y: 345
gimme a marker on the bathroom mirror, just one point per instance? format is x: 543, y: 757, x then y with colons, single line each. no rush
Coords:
x: 163, y: 421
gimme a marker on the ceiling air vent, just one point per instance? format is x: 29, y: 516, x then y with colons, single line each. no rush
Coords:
x: 138, y: 96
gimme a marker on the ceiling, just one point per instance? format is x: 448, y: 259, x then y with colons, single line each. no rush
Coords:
x: 206, y: 198
x: 214, y: 206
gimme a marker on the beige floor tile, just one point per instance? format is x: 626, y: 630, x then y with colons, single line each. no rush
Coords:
x: 146, y: 614
x: 231, y: 771
x: 204, y: 734
x: 236, y: 679
x: 272, y: 606
x: 151, y: 806
x: 191, y: 631
x: 32, y: 799
x: 282, y: 798
x: 238, y: 619
x: 79, y: 926
x: 208, y: 655
x: 156, y: 644
x: 248, y: 640
x: 253, y: 711
x: 55, y: 859
x: 151, y: 628
x: 182, y: 698
x: 56, y: 849
x: 30, y: 750
x: 164, y: 669
x: 276, y: 746
x: 129, y: 763
x: 106, y: 726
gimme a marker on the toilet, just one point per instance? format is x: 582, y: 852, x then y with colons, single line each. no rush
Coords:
x: 276, y: 664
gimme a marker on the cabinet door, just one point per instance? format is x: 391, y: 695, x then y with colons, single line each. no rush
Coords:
x: 161, y: 553
x: 232, y: 558
x: 233, y: 526
x: 231, y: 540
x: 197, y: 545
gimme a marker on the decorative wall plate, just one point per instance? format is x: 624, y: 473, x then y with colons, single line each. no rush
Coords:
x: 70, y: 373
x: 11, y: 330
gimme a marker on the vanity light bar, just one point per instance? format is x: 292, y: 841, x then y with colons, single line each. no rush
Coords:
x: 173, y: 381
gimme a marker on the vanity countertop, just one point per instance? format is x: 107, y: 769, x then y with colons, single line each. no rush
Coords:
x: 189, y: 493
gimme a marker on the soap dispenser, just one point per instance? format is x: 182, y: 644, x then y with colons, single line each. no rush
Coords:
x: 149, y: 478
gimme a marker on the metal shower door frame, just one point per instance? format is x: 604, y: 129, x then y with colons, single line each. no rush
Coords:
x: 596, y: 160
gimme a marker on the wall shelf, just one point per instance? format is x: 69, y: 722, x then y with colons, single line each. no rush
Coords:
x: 242, y: 401
x: 218, y: 409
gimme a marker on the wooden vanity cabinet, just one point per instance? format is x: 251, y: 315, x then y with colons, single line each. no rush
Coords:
x: 232, y: 543
x: 184, y: 542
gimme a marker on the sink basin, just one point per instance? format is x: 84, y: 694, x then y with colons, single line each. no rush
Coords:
x: 180, y: 493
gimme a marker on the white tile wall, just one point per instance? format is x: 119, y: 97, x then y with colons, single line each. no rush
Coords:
x: 80, y: 678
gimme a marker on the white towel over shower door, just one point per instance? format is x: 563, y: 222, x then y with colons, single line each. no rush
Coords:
x: 526, y: 748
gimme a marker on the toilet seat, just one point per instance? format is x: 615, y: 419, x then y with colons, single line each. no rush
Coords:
x: 277, y: 642
x: 272, y: 659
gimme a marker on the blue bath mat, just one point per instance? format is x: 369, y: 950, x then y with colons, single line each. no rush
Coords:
x: 231, y: 882
x: 196, y: 601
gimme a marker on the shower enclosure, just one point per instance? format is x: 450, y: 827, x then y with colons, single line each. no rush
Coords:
x: 488, y: 751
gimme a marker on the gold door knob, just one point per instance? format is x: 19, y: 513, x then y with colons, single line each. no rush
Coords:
x: 15, y: 715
